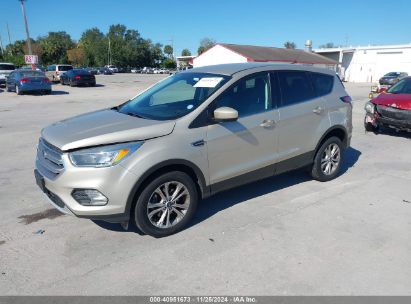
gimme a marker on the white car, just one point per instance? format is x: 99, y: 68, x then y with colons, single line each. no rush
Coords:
x: 5, y: 70
x: 112, y: 68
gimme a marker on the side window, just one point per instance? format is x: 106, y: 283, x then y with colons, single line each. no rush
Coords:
x: 323, y: 83
x: 248, y: 96
x: 295, y: 87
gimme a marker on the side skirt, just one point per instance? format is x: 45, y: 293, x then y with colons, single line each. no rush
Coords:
x: 291, y: 164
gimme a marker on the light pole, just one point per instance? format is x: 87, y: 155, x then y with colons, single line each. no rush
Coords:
x: 23, y: 9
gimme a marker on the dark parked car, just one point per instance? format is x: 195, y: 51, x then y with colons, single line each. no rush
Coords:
x: 22, y: 81
x: 104, y: 71
x: 77, y: 77
x: 390, y: 109
x: 392, y: 78
x: 93, y: 71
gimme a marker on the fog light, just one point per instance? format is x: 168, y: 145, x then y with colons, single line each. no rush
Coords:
x: 89, y: 197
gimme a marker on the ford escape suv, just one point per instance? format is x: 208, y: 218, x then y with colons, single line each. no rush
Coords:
x: 151, y: 159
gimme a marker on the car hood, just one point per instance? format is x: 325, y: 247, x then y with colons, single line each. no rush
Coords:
x: 103, y: 127
x: 400, y: 101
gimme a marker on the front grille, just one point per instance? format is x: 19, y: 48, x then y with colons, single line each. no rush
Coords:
x: 393, y: 113
x: 49, y: 160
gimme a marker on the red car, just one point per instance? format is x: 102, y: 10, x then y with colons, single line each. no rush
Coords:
x: 390, y: 109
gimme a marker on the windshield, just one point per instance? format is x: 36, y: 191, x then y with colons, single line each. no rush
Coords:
x: 7, y: 67
x: 174, y: 97
x: 392, y: 74
x: 402, y: 87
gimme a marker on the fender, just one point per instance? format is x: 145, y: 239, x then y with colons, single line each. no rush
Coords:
x: 333, y: 128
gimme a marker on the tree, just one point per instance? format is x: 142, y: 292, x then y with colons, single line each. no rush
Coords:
x: 328, y: 45
x: 168, y: 50
x: 290, y: 45
x: 169, y: 63
x: 77, y: 56
x: 185, y: 52
x: 95, y: 46
x: 55, y: 46
x: 205, y: 44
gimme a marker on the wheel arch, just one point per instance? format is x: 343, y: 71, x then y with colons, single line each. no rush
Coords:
x: 337, y: 131
x: 167, y: 166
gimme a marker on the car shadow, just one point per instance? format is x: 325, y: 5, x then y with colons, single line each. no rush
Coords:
x: 230, y: 198
x: 392, y: 132
x: 227, y: 199
x: 59, y: 93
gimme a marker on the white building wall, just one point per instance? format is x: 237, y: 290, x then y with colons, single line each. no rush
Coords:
x: 369, y: 64
x: 218, y: 55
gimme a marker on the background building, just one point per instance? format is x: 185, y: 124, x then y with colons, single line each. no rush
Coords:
x: 369, y: 63
x: 234, y: 53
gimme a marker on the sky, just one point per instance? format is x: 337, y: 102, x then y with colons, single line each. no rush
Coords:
x: 253, y: 22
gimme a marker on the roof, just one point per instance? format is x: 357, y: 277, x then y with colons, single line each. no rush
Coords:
x: 369, y: 47
x: 272, y: 54
x: 230, y: 69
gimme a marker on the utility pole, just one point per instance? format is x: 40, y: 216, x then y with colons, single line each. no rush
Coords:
x: 8, y: 33
x: 23, y: 9
x: 1, y: 46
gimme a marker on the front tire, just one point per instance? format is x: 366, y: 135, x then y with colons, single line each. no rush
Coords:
x: 166, y: 205
x: 328, y: 160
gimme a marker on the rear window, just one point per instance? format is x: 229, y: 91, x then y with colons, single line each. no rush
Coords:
x: 323, y: 83
x: 65, y: 67
x: 295, y: 86
x: 32, y: 73
x: 81, y: 72
x: 7, y: 67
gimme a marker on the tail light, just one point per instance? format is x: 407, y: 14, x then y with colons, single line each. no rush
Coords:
x: 24, y: 80
x: 346, y: 99
x: 57, y: 73
x: 77, y: 77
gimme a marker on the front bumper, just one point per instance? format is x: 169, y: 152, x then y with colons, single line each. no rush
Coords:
x: 114, y: 182
x: 382, y: 121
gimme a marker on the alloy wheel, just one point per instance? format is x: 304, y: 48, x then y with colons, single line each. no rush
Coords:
x: 330, y: 159
x: 168, y: 204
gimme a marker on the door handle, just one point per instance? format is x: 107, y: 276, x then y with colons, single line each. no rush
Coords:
x: 268, y: 123
x: 318, y: 110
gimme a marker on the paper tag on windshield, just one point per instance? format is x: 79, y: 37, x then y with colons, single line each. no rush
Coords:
x: 208, y: 82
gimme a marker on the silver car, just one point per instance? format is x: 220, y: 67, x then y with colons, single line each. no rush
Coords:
x: 150, y: 160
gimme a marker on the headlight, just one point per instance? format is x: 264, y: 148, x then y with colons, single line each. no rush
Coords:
x: 105, y: 156
x: 369, y: 107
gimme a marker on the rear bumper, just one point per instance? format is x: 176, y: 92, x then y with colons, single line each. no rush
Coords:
x: 35, y: 87
x: 83, y: 82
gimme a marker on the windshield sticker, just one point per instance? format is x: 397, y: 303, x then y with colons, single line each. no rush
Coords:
x: 189, y: 107
x: 209, y: 82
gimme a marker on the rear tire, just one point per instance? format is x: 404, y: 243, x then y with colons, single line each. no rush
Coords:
x: 18, y: 91
x: 71, y: 83
x: 166, y: 204
x: 328, y: 160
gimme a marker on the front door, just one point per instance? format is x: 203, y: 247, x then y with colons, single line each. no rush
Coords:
x: 243, y: 150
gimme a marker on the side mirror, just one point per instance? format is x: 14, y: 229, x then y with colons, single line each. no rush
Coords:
x: 225, y: 114
x: 382, y: 90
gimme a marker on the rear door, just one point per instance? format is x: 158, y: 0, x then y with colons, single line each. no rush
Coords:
x: 303, y: 117
x: 246, y: 147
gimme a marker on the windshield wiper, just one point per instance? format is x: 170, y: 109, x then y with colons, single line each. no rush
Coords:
x: 133, y: 114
